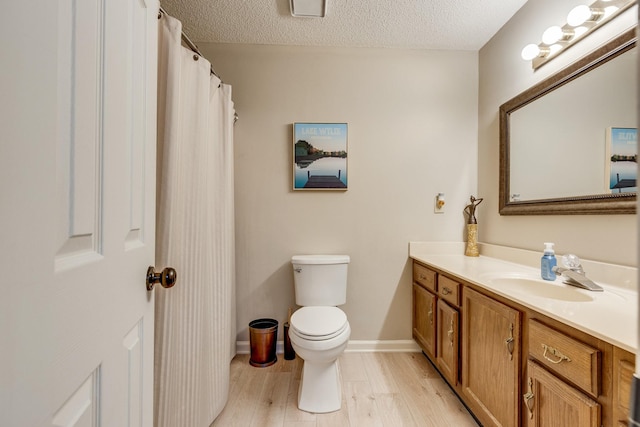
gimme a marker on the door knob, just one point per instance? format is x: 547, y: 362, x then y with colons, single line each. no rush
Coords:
x: 167, y: 277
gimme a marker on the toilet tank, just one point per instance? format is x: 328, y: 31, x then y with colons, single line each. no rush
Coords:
x: 320, y: 279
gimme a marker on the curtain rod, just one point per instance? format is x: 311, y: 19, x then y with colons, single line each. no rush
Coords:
x: 191, y: 44
x: 195, y: 49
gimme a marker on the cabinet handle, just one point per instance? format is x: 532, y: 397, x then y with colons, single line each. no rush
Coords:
x: 422, y: 276
x: 446, y: 291
x: 509, y: 342
x: 555, y: 353
x: 528, y: 398
x: 430, y: 314
x: 450, y: 333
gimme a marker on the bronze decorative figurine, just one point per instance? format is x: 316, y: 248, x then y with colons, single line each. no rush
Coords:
x: 472, y: 227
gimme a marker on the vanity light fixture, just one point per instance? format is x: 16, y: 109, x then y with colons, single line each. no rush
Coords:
x: 581, y: 20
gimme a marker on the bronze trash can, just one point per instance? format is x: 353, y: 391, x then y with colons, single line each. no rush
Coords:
x: 262, y: 335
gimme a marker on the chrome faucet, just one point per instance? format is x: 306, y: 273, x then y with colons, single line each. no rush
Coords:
x: 574, y: 274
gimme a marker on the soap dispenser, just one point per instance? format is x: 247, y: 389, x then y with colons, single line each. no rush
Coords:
x: 547, y: 262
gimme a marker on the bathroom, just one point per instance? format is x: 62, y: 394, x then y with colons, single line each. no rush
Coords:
x: 421, y: 122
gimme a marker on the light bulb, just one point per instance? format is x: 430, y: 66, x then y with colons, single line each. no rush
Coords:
x: 583, y: 13
x: 579, y: 15
x: 555, y: 34
x: 579, y: 31
x: 554, y: 49
x: 552, y: 35
x: 610, y: 10
x: 530, y: 52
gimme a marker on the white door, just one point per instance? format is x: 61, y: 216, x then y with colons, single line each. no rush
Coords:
x: 77, y: 209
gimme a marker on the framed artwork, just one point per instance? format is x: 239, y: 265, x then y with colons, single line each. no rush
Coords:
x: 621, y: 160
x: 320, y: 156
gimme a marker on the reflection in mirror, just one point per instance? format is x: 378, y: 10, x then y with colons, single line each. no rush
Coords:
x: 561, y: 138
x: 558, y: 139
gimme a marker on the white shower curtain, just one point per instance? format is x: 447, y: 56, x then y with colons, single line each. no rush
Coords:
x: 195, y: 320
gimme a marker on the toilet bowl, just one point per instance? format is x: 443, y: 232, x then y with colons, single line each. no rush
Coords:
x: 319, y: 335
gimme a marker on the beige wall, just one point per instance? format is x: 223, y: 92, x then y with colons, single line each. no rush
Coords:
x: 503, y: 75
x: 412, y: 119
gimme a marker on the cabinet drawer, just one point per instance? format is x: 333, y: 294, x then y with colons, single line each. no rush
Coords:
x: 425, y: 277
x: 569, y: 358
x: 449, y: 290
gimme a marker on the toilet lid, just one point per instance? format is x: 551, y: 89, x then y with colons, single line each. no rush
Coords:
x: 318, y: 323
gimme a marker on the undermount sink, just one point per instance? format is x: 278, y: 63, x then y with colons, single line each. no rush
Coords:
x: 541, y: 288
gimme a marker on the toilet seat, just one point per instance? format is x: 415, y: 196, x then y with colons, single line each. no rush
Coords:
x: 318, y: 323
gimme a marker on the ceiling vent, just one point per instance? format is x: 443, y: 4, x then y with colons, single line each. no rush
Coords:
x: 309, y: 8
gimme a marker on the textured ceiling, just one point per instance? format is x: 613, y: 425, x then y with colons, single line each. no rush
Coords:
x: 419, y: 24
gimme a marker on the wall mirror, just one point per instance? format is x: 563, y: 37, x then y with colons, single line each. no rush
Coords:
x: 560, y: 140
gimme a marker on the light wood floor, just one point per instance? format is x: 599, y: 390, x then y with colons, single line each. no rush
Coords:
x: 378, y: 389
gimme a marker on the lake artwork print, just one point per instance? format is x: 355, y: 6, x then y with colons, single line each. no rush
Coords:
x: 623, y: 161
x: 320, y: 156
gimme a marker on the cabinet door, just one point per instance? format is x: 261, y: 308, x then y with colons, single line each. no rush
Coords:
x: 424, y: 320
x: 553, y: 403
x: 491, y: 359
x: 447, y: 336
x: 623, y: 369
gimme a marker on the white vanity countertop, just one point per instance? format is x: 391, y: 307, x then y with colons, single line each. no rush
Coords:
x: 610, y: 315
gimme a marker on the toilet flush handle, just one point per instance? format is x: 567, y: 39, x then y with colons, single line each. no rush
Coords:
x: 298, y: 269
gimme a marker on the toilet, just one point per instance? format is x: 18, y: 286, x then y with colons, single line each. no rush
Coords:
x: 319, y: 331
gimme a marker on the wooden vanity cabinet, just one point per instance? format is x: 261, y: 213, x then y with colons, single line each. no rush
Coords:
x: 508, y: 363
x: 491, y: 359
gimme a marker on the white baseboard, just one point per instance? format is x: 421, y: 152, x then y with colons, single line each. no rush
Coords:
x: 354, y: 346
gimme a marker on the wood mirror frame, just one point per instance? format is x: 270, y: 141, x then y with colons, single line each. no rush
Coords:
x: 619, y: 203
